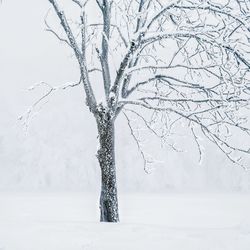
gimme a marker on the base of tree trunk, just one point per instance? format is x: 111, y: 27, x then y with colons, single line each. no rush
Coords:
x: 109, y: 207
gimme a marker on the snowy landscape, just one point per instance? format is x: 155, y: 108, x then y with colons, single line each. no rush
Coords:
x: 149, y: 149
x: 63, y: 221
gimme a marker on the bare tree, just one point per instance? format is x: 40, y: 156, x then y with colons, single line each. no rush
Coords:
x: 164, y: 62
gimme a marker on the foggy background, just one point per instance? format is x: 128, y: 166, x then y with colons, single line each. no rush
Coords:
x: 58, y: 150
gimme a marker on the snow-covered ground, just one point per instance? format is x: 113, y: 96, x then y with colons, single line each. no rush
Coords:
x: 69, y: 221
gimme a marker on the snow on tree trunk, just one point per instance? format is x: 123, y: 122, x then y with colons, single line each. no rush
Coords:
x: 106, y: 157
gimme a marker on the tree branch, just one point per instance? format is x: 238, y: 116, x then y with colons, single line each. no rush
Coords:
x: 91, y: 102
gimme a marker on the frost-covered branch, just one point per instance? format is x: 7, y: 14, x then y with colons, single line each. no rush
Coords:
x: 52, y: 31
x: 81, y: 56
x: 209, y: 126
x: 38, y: 104
x: 180, y: 60
x: 104, y: 56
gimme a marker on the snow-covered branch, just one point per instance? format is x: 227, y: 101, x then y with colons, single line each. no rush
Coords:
x: 80, y: 55
x: 180, y: 59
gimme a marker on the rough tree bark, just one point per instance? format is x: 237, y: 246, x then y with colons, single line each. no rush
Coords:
x: 106, y: 158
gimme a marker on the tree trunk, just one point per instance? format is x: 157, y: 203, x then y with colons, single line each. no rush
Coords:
x: 106, y: 158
